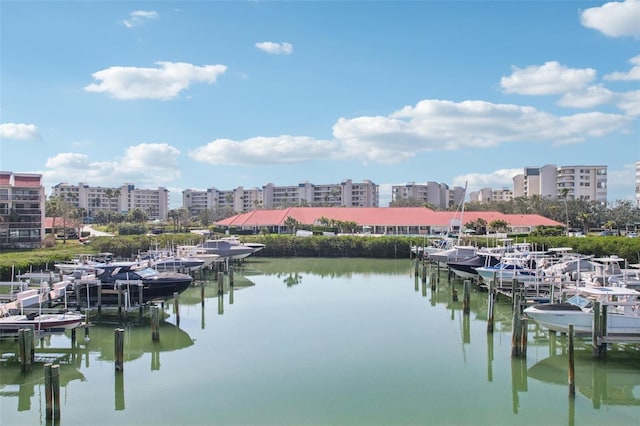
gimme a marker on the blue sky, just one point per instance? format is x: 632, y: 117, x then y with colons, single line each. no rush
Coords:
x: 199, y: 94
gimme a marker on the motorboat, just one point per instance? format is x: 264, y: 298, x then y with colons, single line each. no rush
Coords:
x: 194, y: 251
x: 50, y: 322
x: 623, y: 311
x: 177, y: 263
x: 226, y: 249
x: 519, y: 267
x: 455, y: 254
x: 611, y: 271
x: 466, y: 268
x: 132, y: 278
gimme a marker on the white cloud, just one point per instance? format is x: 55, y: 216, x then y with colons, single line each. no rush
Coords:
x: 630, y: 103
x: 550, y: 78
x: 18, y: 131
x: 275, y: 48
x: 165, y: 82
x: 264, y: 150
x: 614, y: 19
x: 588, y: 98
x: 497, y: 179
x: 632, y: 75
x: 149, y: 165
x: 430, y: 125
x: 436, y: 125
x: 139, y: 17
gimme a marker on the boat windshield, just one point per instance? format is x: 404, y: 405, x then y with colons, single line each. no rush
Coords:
x: 146, y: 272
x: 579, y: 301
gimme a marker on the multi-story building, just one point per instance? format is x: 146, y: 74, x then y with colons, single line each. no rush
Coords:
x: 346, y: 194
x: 536, y: 181
x: 488, y: 194
x: 588, y: 183
x: 575, y: 182
x: 91, y: 199
x: 503, y: 194
x: 638, y: 184
x: 22, y: 209
x: 436, y: 194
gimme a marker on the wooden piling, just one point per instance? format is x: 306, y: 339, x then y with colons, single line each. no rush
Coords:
x: 433, y: 281
x: 119, y: 349
x: 572, y: 382
x: 424, y: 273
x: 176, y: 307
x: 26, y: 348
x: 466, y: 297
x: 48, y: 391
x: 202, y: 293
x: 155, y: 323
x: 231, y: 276
x: 55, y: 390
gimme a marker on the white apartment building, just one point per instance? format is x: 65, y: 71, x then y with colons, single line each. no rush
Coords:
x: 437, y: 194
x: 587, y: 183
x: 155, y: 202
x: 536, y: 181
x: 638, y: 184
x: 346, y: 193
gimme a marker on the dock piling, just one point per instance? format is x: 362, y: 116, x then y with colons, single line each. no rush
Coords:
x: 119, y: 349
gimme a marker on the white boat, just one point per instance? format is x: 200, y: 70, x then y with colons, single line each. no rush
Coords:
x: 177, y: 263
x: 226, y: 249
x: 509, y: 268
x: 51, y: 322
x: 623, y: 311
x: 611, y: 271
x: 455, y: 254
x: 198, y: 253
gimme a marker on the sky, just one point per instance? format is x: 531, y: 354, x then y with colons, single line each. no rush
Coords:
x: 223, y: 94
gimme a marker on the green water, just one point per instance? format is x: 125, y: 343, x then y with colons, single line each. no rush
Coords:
x: 323, y: 342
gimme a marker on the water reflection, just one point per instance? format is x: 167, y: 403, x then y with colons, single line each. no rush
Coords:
x: 604, y: 383
x: 288, y: 346
x: 23, y: 384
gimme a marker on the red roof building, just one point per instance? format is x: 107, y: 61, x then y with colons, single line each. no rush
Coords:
x: 381, y: 220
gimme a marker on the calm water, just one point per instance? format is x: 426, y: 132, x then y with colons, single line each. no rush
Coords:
x: 324, y: 342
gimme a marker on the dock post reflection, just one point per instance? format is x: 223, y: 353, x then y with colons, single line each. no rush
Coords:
x: 119, y: 391
x: 491, y: 299
x: 490, y: 357
x: 220, y: 304
x: 518, y: 381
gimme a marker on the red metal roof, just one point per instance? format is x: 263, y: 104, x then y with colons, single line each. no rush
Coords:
x: 378, y: 216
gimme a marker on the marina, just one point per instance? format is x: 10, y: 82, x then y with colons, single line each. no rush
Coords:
x: 322, y: 341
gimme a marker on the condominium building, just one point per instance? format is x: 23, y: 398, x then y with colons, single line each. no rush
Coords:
x: 587, y: 183
x: 536, y: 181
x: 487, y: 194
x: 436, y: 194
x: 270, y: 196
x: 638, y: 184
x: 22, y: 209
x: 343, y: 194
x: 91, y: 199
